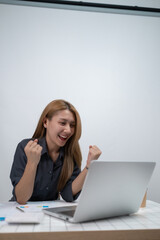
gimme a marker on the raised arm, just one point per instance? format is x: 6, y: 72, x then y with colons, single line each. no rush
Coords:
x: 24, y: 188
x: 94, y: 153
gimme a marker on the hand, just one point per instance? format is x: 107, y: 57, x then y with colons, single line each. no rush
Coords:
x: 94, y: 153
x: 33, y: 151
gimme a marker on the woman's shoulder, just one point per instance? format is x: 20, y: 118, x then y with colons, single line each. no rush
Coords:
x: 23, y: 142
x: 20, y: 147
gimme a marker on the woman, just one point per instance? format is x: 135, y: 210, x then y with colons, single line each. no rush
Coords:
x: 49, y: 164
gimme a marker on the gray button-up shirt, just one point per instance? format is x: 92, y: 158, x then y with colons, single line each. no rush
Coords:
x: 47, y: 175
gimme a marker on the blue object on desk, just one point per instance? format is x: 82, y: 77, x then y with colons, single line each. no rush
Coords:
x: 2, y: 219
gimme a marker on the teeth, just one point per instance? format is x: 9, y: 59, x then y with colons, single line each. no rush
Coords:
x: 63, y: 136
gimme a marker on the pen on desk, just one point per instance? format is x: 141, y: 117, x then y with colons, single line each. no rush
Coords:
x: 20, y: 209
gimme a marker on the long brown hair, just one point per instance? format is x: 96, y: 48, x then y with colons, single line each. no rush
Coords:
x: 72, y: 148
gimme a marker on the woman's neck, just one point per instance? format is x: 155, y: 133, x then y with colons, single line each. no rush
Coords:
x: 53, y: 150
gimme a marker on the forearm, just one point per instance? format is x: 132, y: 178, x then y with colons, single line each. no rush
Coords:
x: 94, y: 153
x: 77, y: 184
x: 24, y: 188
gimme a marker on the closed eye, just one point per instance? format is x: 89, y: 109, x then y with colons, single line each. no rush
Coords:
x: 63, y: 123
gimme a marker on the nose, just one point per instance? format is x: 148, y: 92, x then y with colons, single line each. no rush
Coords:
x: 68, y: 129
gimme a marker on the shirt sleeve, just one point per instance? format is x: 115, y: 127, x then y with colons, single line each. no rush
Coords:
x: 18, y: 166
x: 66, y: 193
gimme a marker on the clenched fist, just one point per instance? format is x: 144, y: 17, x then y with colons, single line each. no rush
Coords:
x: 94, y: 153
x: 33, y: 151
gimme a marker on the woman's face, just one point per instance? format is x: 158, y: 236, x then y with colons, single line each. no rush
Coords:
x: 60, y: 128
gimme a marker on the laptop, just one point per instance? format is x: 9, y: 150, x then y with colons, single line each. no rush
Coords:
x: 110, y: 189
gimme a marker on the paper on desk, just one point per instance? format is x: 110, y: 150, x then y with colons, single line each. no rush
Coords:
x: 6, y: 209
x: 38, y: 206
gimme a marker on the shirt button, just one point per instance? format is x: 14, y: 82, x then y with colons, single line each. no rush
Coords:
x: 46, y: 188
x: 50, y: 172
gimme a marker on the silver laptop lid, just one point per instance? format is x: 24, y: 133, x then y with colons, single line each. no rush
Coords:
x: 113, y: 189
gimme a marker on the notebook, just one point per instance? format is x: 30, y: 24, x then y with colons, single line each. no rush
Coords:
x: 110, y: 189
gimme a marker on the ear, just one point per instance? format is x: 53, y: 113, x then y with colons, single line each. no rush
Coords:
x: 45, y: 122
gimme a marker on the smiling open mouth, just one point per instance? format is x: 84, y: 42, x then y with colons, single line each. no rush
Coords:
x: 63, y: 138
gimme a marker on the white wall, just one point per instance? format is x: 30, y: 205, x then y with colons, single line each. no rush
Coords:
x: 107, y: 65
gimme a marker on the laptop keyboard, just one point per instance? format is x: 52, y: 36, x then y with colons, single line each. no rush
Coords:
x: 69, y: 213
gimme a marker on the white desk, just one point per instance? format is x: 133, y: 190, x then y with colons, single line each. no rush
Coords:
x: 145, y: 224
